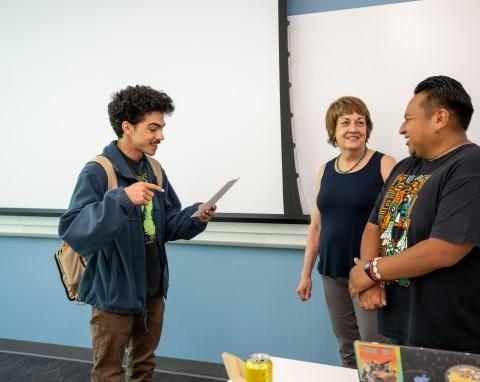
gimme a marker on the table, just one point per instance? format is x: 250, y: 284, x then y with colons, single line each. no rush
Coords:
x: 289, y: 370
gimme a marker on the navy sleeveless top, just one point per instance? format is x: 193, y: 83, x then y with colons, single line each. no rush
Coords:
x: 345, y: 202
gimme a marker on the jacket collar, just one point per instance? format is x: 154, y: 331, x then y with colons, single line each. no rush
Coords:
x: 113, y: 153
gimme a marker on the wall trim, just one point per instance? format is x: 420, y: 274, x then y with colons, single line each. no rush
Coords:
x: 272, y: 235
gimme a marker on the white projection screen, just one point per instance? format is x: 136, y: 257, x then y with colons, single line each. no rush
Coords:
x: 218, y: 59
x: 379, y: 54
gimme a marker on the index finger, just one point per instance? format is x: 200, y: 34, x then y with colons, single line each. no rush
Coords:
x: 154, y: 187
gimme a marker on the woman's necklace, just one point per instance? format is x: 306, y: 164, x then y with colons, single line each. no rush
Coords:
x: 337, y: 167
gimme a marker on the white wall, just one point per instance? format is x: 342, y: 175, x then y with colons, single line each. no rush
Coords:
x: 378, y: 54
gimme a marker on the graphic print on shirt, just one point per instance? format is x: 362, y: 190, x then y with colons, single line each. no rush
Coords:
x: 394, y: 215
x: 147, y: 216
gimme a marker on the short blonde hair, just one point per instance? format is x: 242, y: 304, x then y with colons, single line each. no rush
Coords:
x: 343, y: 106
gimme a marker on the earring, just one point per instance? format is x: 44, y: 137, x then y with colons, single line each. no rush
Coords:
x: 436, y: 131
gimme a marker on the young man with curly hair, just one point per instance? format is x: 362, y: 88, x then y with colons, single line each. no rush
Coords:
x: 123, y: 232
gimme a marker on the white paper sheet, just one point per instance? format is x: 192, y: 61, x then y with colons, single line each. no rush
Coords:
x: 215, y: 198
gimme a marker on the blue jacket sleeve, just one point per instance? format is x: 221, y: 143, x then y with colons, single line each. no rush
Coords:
x: 94, y: 217
x: 179, y: 223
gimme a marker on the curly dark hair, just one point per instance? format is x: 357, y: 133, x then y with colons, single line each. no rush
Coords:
x: 445, y: 92
x: 133, y: 103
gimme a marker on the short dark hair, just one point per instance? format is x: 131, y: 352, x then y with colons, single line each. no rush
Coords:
x: 134, y: 102
x: 445, y: 92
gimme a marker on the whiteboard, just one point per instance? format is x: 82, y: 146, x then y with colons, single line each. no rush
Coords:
x: 378, y: 54
x: 218, y: 59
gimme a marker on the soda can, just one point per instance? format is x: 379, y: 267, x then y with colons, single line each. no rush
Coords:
x: 259, y: 368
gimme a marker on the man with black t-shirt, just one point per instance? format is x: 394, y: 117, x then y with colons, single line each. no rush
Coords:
x: 420, y: 256
x: 123, y: 232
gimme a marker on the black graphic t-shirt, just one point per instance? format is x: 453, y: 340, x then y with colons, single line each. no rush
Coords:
x: 154, y: 263
x: 440, y: 199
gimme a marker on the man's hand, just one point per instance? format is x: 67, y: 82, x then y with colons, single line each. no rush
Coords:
x: 359, y: 281
x: 304, y: 289
x: 141, y: 193
x: 205, y: 215
x: 373, y: 298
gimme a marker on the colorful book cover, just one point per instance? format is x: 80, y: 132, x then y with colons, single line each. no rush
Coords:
x: 378, y: 362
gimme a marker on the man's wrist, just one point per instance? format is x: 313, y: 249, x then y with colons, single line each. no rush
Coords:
x: 374, y: 269
x: 371, y: 269
x: 367, y: 269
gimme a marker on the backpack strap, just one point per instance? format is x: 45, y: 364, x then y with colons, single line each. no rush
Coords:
x: 112, y: 181
x: 157, y: 169
x: 108, y: 167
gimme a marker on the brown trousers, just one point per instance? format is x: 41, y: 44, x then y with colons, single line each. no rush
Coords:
x: 113, y: 333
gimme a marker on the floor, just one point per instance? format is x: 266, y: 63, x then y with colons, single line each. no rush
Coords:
x: 17, y: 367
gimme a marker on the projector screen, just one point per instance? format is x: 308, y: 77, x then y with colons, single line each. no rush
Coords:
x: 218, y: 59
x: 379, y: 54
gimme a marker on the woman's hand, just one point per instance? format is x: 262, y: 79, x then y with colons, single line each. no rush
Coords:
x: 304, y: 289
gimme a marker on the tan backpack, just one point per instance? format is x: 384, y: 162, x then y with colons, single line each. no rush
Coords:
x: 70, y: 264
